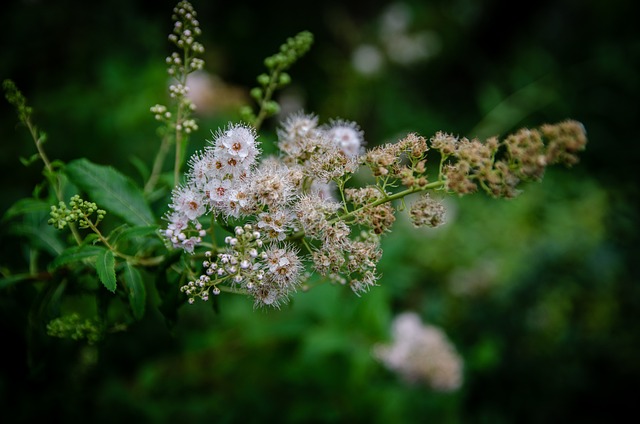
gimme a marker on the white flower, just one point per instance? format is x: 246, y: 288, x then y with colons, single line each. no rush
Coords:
x: 217, y: 191
x: 274, y: 224
x: 421, y: 352
x: 283, y: 265
x: 347, y: 136
x: 189, y: 202
x: 177, y: 222
x: 203, y: 167
x: 295, y: 129
x: 238, y: 142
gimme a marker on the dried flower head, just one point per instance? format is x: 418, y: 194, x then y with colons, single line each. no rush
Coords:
x: 427, y: 212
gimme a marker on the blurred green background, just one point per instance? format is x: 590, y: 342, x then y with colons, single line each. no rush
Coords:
x: 540, y: 295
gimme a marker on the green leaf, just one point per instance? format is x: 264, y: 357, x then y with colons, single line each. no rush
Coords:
x: 106, y: 267
x: 138, y: 237
x: 24, y: 206
x: 43, y: 237
x: 111, y: 190
x: 170, y: 297
x: 13, y: 279
x: 28, y: 161
x: 133, y: 232
x: 75, y: 254
x: 135, y: 289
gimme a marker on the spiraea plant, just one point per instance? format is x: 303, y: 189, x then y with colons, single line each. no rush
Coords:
x: 240, y: 221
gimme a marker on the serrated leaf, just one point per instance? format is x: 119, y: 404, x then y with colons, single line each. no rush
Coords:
x: 111, y: 190
x: 24, y: 206
x: 135, y: 289
x: 75, y: 254
x: 106, y: 267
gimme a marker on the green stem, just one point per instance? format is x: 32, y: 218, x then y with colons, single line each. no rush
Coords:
x: 180, y: 116
x: 306, y: 245
x: 229, y: 289
x: 340, y: 183
x: 132, y: 259
x: 157, y: 165
x: 178, y: 161
x: 50, y: 173
x: 389, y: 198
x: 271, y: 88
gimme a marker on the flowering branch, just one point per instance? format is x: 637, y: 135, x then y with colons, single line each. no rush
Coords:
x: 289, y: 198
x: 293, y: 217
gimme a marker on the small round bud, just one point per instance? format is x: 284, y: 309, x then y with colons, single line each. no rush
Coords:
x: 284, y: 79
x: 256, y: 93
x: 263, y: 79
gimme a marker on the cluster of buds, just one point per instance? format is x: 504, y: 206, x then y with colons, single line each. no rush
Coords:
x: 179, y: 65
x: 79, y: 211
x: 268, y: 273
x: 74, y: 327
x: 185, y: 30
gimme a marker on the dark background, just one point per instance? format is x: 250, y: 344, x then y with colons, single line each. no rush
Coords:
x: 552, y: 338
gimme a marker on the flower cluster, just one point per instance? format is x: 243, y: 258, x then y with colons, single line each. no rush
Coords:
x: 427, y: 212
x: 218, y: 182
x: 283, y: 200
x: 421, y: 353
x: 301, y: 198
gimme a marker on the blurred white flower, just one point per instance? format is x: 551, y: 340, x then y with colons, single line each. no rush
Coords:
x: 421, y: 353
